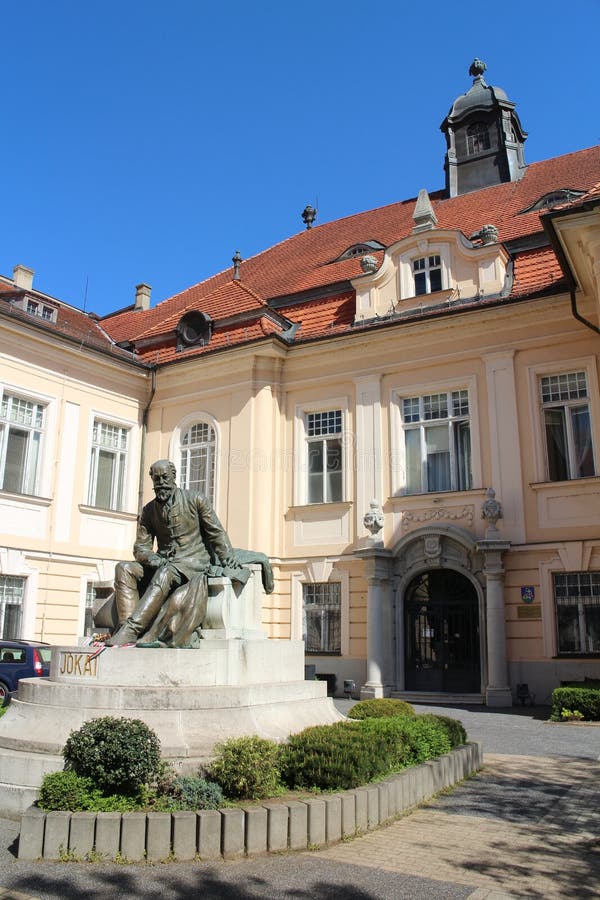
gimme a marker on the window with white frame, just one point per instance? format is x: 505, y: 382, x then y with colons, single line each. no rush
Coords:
x: 577, y: 599
x: 567, y: 426
x: 324, y: 456
x: 93, y: 592
x: 478, y: 138
x: 21, y: 430
x: 107, y: 469
x: 427, y: 272
x: 12, y: 592
x: 197, y: 459
x: 321, y: 614
x: 437, y: 442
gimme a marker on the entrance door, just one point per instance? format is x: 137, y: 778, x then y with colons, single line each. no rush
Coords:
x: 441, y: 627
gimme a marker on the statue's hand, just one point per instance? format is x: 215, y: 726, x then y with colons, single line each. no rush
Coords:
x: 230, y: 562
x: 155, y: 561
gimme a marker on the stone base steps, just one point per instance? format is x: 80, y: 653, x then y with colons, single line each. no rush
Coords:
x: 431, y: 698
x: 234, y: 833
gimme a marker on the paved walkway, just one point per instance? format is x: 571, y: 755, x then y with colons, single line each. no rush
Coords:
x: 526, y: 826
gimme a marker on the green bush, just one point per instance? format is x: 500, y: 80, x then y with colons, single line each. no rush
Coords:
x: 384, y: 706
x: 66, y: 791
x: 454, y: 729
x: 584, y: 699
x: 349, y: 754
x: 120, y: 756
x: 247, y: 768
x: 193, y: 792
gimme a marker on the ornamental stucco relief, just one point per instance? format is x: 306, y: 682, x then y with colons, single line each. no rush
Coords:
x: 412, y: 520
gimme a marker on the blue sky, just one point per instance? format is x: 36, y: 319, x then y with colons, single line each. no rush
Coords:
x: 147, y: 141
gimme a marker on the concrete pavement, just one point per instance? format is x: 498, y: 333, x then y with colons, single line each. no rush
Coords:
x: 527, y: 826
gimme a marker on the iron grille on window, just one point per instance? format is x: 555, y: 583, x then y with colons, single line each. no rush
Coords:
x: 577, y: 597
x: 12, y: 591
x: 322, y: 617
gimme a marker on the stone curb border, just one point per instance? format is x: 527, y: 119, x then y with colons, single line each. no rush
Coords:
x: 237, y: 832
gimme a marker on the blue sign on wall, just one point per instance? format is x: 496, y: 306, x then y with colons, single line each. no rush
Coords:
x: 528, y: 594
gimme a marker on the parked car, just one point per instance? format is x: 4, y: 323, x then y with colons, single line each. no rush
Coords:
x: 21, y: 659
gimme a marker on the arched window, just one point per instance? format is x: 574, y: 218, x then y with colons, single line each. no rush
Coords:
x: 197, y: 462
x: 478, y: 138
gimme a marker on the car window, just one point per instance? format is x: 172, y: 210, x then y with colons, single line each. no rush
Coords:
x: 46, y: 654
x: 11, y: 655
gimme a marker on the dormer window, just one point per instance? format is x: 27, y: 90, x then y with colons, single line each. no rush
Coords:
x: 427, y: 273
x: 194, y: 329
x: 41, y: 310
x: 478, y: 138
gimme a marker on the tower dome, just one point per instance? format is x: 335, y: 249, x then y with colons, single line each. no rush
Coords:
x: 484, y: 138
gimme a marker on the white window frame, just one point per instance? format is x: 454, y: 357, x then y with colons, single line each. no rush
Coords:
x: 398, y: 461
x: 16, y: 578
x: 581, y: 605
x: 566, y: 404
x: 9, y: 393
x: 423, y: 249
x: 320, y: 571
x: 432, y: 262
x: 335, y: 587
x: 175, y: 446
x: 130, y: 481
x: 301, y: 448
x: 563, y: 367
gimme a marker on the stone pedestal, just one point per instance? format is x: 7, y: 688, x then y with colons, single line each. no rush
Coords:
x: 377, y: 573
x: 193, y: 699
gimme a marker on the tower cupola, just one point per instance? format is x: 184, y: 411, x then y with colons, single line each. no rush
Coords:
x: 484, y: 138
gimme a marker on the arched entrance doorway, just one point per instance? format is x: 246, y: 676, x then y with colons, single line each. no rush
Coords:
x: 441, y: 633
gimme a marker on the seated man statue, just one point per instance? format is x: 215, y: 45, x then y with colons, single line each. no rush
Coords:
x: 163, y: 594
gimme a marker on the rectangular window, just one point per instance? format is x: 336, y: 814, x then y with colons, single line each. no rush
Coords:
x: 322, y: 617
x: 12, y: 592
x: 21, y: 428
x: 107, y: 472
x: 324, y: 460
x: 427, y: 272
x: 93, y: 592
x: 569, y: 451
x: 437, y: 440
x: 577, y: 597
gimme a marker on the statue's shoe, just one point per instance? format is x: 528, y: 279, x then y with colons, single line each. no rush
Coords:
x: 153, y: 645
x: 125, y: 635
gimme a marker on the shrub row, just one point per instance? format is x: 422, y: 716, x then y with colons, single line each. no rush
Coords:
x: 114, y: 764
x: 585, y: 700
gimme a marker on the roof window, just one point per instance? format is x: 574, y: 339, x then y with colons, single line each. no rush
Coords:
x: 554, y: 198
x: 360, y: 250
x: 194, y: 329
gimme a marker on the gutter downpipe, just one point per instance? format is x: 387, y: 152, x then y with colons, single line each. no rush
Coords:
x: 577, y: 315
x: 143, y: 441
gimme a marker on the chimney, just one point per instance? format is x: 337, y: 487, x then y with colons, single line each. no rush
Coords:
x: 142, y: 296
x: 23, y: 277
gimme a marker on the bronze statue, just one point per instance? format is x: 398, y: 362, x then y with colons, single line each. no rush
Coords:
x: 161, y: 596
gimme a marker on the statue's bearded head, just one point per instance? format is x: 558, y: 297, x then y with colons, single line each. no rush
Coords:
x: 163, y: 475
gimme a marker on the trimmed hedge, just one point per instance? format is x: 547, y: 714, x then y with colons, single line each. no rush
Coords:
x: 585, y: 700
x: 120, y: 756
x: 247, y: 768
x: 379, y: 708
x: 350, y: 754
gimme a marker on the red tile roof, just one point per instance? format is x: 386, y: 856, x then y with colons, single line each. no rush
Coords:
x: 305, y: 264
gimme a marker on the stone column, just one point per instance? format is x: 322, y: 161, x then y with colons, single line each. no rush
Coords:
x: 377, y: 573
x: 497, y: 691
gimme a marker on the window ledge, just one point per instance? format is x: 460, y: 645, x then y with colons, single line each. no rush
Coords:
x: 107, y: 513
x: 437, y: 497
x: 30, y: 499
x: 574, y: 482
x: 335, y: 509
